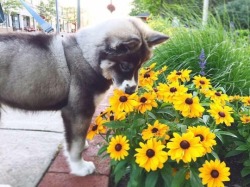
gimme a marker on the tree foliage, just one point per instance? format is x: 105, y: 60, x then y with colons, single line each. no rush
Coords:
x: 188, y: 9
x: 47, y: 10
x: 10, y: 6
x: 237, y: 11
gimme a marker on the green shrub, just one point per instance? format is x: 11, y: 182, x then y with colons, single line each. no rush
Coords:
x: 228, y: 60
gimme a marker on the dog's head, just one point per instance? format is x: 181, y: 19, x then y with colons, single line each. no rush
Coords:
x: 126, y: 45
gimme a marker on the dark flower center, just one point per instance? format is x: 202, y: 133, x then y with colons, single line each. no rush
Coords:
x: 202, y: 82
x: 214, y: 173
x: 123, y: 99
x: 143, y: 100
x: 189, y: 101
x: 222, y: 114
x: 94, y: 128
x: 184, y: 144
x: 217, y: 93
x: 112, y: 118
x: 178, y: 73
x: 146, y: 75
x: 118, y: 147
x: 154, y: 130
x: 150, y: 153
x: 155, y: 89
x: 248, y: 101
x: 200, y: 136
x: 173, y: 89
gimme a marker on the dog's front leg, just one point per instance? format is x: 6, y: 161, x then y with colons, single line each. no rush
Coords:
x: 76, y: 126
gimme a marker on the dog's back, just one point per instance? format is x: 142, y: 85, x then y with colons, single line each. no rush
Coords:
x: 34, y: 73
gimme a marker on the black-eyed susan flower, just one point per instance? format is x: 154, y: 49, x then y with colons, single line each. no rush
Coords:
x: 233, y: 98
x: 246, y: 100
x: 182, y: 75
x: 167, y: 92
x: 207, y: 138
x: 96, y: 128
x: 221, y: 114
x: 188, y: 105
x: 157, y: 130
x: 118, y: 147
x: 110, y: 115
x: 214, y: 173
x: 245, y: 119
x: 201, y: 82
x: 121, y: 101
x: 146, y: 102
x: 185, y: 147
x: 218, y: 97
x: 151, y: 155
x: 147, y: 78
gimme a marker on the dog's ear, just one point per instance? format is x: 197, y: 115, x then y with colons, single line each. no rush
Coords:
x: 120, y: 47
x: 154, y: 38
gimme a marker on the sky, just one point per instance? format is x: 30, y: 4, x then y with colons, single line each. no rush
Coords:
x: 96, y: 10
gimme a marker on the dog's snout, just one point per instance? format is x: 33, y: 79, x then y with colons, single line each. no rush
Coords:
x: 130, y: 90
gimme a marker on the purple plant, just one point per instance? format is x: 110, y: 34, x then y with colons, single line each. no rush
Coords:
x: 202, y: 62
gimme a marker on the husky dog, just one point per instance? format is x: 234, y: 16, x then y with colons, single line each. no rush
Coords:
x: 71, y: 73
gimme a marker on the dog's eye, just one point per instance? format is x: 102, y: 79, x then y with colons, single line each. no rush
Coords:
x: 125, y: 67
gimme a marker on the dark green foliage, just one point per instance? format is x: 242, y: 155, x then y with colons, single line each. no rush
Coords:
x: 228, y: 62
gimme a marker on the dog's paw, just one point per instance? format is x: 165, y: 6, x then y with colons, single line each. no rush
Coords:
x: 86, y: 145
x: 82, y: 168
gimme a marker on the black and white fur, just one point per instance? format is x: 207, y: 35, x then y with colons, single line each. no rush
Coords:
x: 71, y: 73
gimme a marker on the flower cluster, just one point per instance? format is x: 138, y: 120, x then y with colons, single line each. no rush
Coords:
x: 176, y: 125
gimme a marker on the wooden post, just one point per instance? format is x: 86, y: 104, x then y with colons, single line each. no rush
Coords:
x: 205, y: 12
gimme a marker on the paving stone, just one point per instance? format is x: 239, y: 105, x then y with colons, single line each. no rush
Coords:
x: 65, y: 180
x: 26, y: 155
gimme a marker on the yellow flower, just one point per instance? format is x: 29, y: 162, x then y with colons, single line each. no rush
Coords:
x: 214, y: 173
x: 188, y: 105
x: 245, y: 119
x: 96, y: 128
x: 167, y: 92
x: 147, y: 78
x: 234, y: 98
x: 218, y: 97
x: 186, y: 147
x: 157, y: 130
x: 110, y: 115
x: 246, y: 100
x: 201, y: 82
x: 207, y: 138
x: 151, y: 155
x: 221, y: 114
x: 121, y: 101
x: 182, y: 75
x: 118, y: 147
x: 146, y: 102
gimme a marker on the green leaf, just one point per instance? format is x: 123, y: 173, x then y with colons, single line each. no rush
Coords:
x: 102, y: 149
x: 233, y: 153
x: 151, y: 179
x: 246, y: 163
x: 139, y: 122
x: 152, y: 115
x: 166, y: 175
x: 121, y: 166
x: 245, y: 171
x: 119, y: 175
x: 215, y: 155
x: 179, y: 178
x: 226, y: 133
x: 195, y: 179
x: 116, y: 124
x: 242, y: 148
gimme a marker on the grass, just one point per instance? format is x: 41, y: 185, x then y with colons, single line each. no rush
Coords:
x: 228, y: 58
